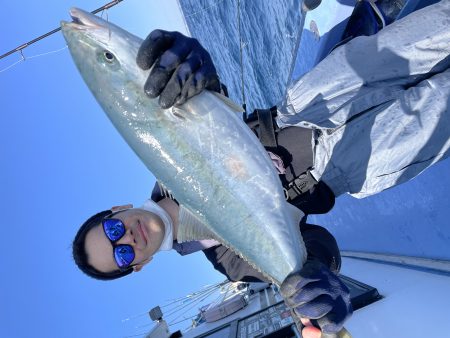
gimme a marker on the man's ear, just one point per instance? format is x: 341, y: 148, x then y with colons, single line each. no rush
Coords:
x: 138, y: 267
x: 121, y: 207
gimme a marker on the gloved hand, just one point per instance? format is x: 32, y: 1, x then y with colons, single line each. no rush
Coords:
x: 318, y: 294
x: 182, y: 68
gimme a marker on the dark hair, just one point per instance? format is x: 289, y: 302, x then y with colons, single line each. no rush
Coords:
x: 79, y: 250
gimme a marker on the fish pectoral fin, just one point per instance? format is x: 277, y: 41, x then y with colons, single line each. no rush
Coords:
x: 183, y: 112
x: 178, y: 113
x: 230, y: 103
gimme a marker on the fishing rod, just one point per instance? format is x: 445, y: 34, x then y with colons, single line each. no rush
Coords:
x: 26, y: 44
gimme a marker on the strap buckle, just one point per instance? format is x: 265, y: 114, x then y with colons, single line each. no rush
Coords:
x: 300, y: 185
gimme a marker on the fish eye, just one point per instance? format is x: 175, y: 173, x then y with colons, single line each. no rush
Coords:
x: 109, y: 57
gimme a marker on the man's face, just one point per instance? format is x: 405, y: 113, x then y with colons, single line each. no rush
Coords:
x: 144, y: 232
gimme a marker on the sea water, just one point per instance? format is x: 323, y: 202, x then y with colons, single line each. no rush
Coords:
x: 268, y: 39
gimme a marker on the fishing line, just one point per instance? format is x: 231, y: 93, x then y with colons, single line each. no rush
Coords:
x: 10, y: 66
x: 25, y: 45
x: 218, y: 300
x: 213, y: 302
x: 47, y: 53
x: 230, y: 285
x: 182, y: 304
x: 204, y: 9
x: 107, y: 20
x: 183, y: 320
x: 193, y: 302
x: 244, y: 106
x: 230, y: 288
x: 196, y: 293
x: 189, y: 306
x: 32, y: 57
x: 189, y: 298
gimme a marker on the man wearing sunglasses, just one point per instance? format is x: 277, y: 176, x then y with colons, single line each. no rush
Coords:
x: 116, y: 242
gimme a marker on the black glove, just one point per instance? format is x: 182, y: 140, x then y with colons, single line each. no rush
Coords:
x: 318, y: 294
x: 182, y: 68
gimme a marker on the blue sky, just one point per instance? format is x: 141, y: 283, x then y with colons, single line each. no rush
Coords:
x: 62, y: 161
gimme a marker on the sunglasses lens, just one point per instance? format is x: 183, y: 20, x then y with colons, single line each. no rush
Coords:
x: 114, y: 229
x: 124, y: 255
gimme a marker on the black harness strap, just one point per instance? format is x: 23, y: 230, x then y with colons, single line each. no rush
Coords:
x: 266, y: 126
x: 293, y: 146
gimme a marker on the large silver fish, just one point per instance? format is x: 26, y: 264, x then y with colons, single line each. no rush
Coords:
x: 201, y: 151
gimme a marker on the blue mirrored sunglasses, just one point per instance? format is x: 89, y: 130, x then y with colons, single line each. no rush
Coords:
x: 123, y: 253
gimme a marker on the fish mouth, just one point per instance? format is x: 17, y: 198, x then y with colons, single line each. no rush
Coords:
x: 82, y: 20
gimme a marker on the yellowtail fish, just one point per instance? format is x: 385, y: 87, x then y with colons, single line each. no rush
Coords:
x: 201, y: 151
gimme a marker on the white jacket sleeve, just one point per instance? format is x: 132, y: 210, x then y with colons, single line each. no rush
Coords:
x: 370, y: 70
